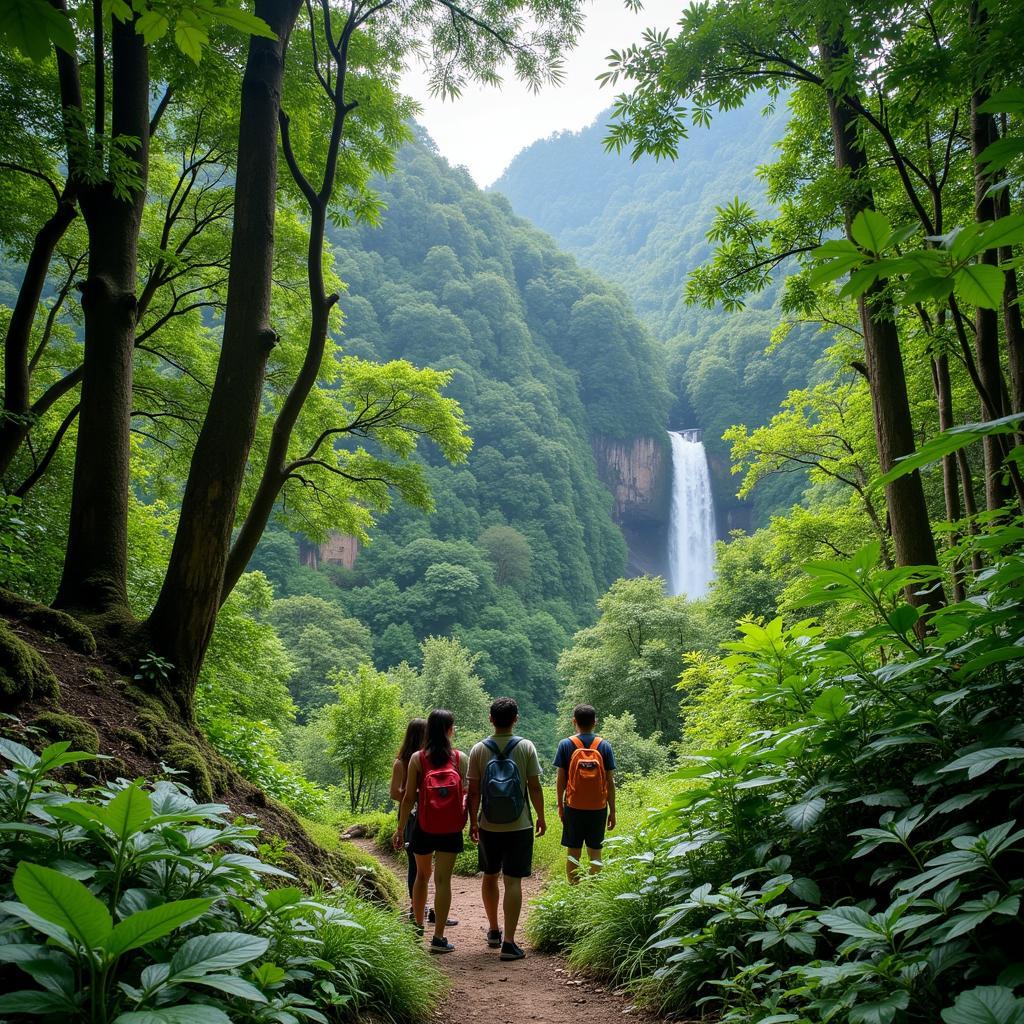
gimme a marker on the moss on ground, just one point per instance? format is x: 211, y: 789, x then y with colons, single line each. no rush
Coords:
x: 48, y: 620
x: 58, y: 725
x: 24, y: 674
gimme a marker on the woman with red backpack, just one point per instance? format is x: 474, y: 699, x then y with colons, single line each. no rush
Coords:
x: 436, y: 783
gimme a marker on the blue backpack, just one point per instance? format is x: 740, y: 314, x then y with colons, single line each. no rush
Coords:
x: 504, y: 796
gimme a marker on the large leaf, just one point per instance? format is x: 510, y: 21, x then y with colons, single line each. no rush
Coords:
x: 19, y: 754
x: 803, y: 815
x: 127, y: 812
x: 981, y: 284
x: 871, y: 230
x: 64, y: 902
x: 33, y: 25
x: 35, y: 1002
x: 191, y: 1013
x: 217, y: 952
x: 946, y: 443
x: 989, y: 1004
x: 980, y: 761
x: 146, y: 926
x: 229, y: 983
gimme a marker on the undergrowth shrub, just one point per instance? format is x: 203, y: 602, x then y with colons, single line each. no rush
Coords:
x: 130, y: 903
x: 858, y: 857
x: 250, y: 748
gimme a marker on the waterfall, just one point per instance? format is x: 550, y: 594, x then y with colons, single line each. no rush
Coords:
x: 691, y: 531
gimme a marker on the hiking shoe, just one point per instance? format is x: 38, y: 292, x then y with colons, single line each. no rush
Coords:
x: 439, y: 944
x: 510, y: 951
x: 494, y: 938
x: 451, y: 922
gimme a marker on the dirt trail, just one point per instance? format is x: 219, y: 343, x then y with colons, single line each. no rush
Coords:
x: 486, y: 990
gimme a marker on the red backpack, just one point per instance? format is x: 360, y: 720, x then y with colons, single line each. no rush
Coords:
x: 442, y: 804
x: 587, y: 788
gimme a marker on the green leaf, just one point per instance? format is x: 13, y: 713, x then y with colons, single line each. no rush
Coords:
x: 244, y: 22
x: 980, y: 284
x: 980, y: 761
x: 35, y: 1002
x: 988, y: 1004
x: 871, y: 230
x: 803, y: 815
x: 127, y: 812
x: 152, y: 25
x: 190, y: 39
x: 18, y: 754
x: 946, y: 443
x: 48, y: 928
x: 32, y: 26
x: 64, y: 902
x: 1002, y: 232
x: 851, y: 921
x: 216, y: 952
x: 229, y: 983
x: 190, y: 1013
x: 831, y: 705
x: 146, y: 926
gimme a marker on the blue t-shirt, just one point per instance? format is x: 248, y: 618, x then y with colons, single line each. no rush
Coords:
x: 564, y: 753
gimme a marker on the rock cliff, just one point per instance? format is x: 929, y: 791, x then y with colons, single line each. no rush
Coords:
x: 638, y: 472
x: 338, y: 549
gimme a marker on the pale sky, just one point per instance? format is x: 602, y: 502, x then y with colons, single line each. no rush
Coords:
x: 486, y: 127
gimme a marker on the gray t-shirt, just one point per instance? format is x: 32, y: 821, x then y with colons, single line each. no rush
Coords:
x: 528, y: 763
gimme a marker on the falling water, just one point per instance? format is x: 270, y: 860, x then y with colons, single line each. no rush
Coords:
x: 691, y: 531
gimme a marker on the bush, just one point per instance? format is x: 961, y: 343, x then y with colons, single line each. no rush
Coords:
x: 249, y: 746
x: 858, y: 858
x: 129, y: 902
x: 391, y: 973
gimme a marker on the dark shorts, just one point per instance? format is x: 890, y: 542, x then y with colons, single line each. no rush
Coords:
x: 508, y: 853
x: 584, y: 828
x: 423, y: 843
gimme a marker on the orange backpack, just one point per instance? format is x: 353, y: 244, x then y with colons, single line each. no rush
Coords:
x: 587, y: 787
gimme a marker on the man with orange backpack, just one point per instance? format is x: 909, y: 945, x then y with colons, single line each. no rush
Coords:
x: 586, y: 791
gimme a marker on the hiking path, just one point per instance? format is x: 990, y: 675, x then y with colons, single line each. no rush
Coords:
x: 487, y: 990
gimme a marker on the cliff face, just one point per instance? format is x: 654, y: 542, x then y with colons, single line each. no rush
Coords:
x: 638, y: 472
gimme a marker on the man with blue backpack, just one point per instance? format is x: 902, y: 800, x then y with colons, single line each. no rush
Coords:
x: 504, y: 770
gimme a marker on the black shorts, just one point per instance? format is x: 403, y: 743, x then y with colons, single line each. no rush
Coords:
x: 584, y: 828
x: 510, y: 853
x: 424, y: 843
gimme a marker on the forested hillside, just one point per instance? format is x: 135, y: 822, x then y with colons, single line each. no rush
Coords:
x: 546, y: 356
x: 644, y: 225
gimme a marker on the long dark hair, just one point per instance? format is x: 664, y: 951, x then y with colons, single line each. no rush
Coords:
x: 415, y: 732
x: 437, y: 747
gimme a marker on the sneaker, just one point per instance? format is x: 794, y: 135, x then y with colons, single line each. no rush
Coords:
x: 451, y: 922
x: 510, y: 951
x: 494, y: 938
x: 439, y: 944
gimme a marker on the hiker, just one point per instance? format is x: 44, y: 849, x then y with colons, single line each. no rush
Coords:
x: 503, y: 769
x: 415, y: 732
x: 436, y: 784
x: 586, y: 791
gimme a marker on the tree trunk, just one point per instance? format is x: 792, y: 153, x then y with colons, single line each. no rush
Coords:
x: 1011, y: 315
x: 186, y: 610
x: 95, y: 563
x: 986, y: 321
x: 908, y: 512
x: 16, y: 420
x: 950, y: 490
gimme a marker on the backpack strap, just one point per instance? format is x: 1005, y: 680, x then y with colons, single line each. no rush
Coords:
x: 577, y: 743
x: 597, y: 741
x: 493, y: 747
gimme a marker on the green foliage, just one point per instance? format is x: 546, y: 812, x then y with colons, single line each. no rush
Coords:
x: 449, y: 681
x: 854, y: 854
x: 634, y: 754
x: 24, y: 673
x: 131, y: 903
x: 630, y: 661
x: 252, y: 748
x: 364, y: 728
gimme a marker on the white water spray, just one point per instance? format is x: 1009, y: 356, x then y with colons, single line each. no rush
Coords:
x: 691, y: 531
